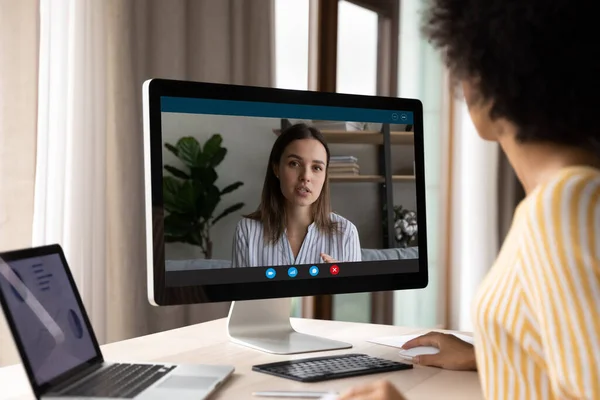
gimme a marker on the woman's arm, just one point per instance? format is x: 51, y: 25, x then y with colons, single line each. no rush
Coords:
x: 352, y: 250
x: 561, y: 276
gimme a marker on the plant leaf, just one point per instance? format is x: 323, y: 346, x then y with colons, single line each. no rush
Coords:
x: 218, y: 157
x: 185, y: 200
x: 212, y: 145
x: 172, y: 149
x: 231, y: 187
x: 177, y: 225
x: 171, y: 189
x: 228, y: 211
x: 207, y: 176
x: 177, y: 172
x: 196, y: 238
x: 213, y: 197
x: 189, y: 150
x: 199, y: 198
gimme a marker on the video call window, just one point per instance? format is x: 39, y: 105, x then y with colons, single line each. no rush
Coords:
x: 234, y: 184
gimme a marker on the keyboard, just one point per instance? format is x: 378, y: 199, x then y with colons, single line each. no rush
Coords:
x: 319, y: 369
x: 120, y: 380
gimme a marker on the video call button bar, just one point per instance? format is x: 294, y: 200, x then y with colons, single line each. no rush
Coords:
x: 289, y: 272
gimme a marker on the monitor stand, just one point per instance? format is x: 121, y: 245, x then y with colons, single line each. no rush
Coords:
x: 265, y: 325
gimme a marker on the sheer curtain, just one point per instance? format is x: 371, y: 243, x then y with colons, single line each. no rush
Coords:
x: 473, y: 232
x: 422, y: 76
x: 462, y: 189
x: 70, y: 186
x: 93, y: 57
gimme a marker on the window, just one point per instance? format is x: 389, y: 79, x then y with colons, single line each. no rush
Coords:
x: 357, y: 50
x: 291, y: 44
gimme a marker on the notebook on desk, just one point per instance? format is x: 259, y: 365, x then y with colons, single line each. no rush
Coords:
x: 58, y: 346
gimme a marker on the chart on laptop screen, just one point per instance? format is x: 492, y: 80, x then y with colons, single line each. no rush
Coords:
x: 46, y: 316
x: 236, y: 173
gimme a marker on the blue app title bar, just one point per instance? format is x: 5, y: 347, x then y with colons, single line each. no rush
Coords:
x: 282, y: 110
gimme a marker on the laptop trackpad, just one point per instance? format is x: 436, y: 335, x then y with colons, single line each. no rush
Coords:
x: 188, y: 382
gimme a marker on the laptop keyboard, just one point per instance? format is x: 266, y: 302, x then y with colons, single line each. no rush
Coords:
x: 119, y: 381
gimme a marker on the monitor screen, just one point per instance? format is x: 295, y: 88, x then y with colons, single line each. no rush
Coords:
x: 293, y: 192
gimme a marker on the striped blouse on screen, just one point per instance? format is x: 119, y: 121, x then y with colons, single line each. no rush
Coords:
x: 251, y: 250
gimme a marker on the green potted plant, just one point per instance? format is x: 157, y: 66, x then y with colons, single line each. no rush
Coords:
x: 190, y: 196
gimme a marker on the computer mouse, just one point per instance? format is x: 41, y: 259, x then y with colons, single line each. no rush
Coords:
x: 419, y: 350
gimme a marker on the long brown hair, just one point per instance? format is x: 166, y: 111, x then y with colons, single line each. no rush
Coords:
x: 271, y: 211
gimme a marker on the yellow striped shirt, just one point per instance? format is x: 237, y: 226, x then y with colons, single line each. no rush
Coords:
x: 537, y: 312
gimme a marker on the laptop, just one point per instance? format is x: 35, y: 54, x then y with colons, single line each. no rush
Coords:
x: 59, y: 349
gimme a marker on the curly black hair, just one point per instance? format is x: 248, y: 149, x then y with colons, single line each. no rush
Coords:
x: 537, y: 61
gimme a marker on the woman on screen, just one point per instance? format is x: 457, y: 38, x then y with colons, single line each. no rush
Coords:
x: 294, y: 223
x: 536, y: 314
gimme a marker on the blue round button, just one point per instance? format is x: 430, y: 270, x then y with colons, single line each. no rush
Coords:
x: 271, y: 273
x: 314, y: 270
x: 292, y: 272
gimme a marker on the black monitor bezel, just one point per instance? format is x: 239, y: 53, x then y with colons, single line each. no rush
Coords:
x: 162, y: 295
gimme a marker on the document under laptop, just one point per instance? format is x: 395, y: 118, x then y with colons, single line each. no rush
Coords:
x: 59, y: 349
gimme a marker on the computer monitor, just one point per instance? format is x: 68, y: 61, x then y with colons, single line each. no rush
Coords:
x: 235, y: 176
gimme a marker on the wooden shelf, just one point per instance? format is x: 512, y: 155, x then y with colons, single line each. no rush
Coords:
x: 364, y: 137
x: 369, y: 178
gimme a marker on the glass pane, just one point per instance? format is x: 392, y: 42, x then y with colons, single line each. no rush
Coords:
x: 357, y: 49
x: 291, y: 44
x: 357, y: 74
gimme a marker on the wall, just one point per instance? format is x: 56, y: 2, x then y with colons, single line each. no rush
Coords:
x: 18, y: 123
x: 249, y: 141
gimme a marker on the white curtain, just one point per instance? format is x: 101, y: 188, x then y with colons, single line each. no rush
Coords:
x: 459, y: 253
x: 70, y: 186
x: 473, y: 232
x: 422, y: 77
x: 74, y: 117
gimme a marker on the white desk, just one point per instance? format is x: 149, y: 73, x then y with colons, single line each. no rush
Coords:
x: 208, y: 343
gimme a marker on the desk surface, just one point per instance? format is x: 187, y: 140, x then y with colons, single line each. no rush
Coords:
x: 208, y: 343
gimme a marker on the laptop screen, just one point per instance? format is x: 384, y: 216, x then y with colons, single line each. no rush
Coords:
x: 46, y: 315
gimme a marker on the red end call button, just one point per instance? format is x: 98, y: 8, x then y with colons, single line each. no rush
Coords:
x: 334, y: 269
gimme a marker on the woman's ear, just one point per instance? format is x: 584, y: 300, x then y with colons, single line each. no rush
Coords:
x: 276, y: 170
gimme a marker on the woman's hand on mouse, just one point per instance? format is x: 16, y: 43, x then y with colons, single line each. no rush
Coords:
x: 455, y: 354
x: 378, y: 390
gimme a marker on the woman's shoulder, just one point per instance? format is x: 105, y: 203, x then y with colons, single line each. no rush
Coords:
x: 246, y: 224
x: 569, y: 189
x: 566, y: 202
x: 344, y: 224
